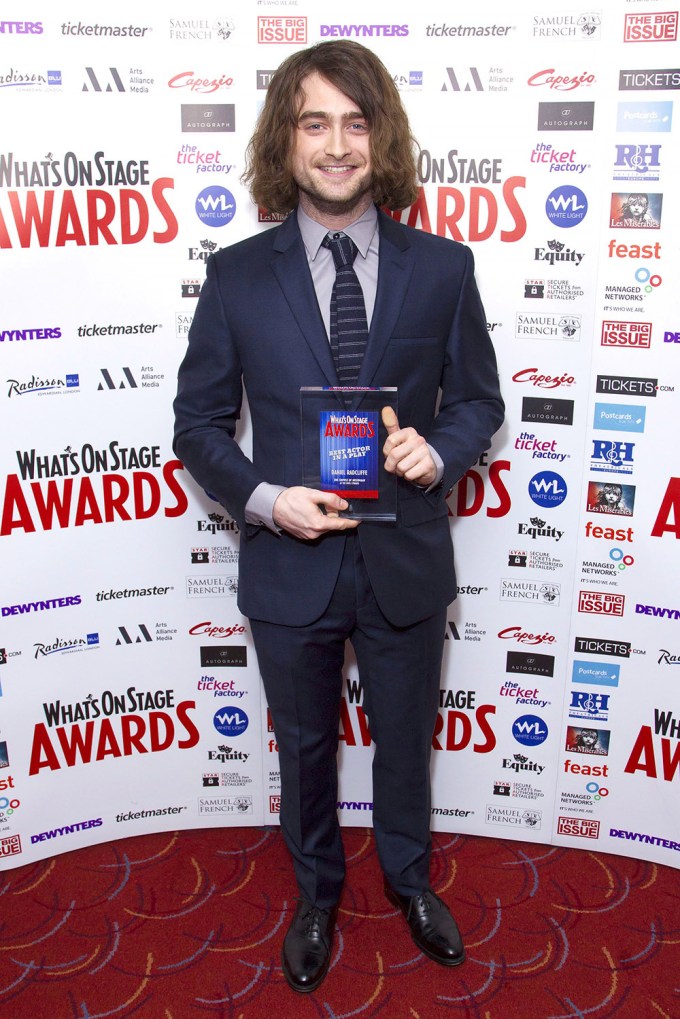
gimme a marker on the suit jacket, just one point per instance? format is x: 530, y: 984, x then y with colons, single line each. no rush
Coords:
x: 257, y: 325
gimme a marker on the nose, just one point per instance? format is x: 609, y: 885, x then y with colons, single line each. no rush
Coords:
x: 337, y: 143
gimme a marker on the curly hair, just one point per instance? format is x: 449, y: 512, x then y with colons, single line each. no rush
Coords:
x: 362, y: 77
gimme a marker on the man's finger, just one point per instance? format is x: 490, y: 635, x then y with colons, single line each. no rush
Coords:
x: 390, y: 420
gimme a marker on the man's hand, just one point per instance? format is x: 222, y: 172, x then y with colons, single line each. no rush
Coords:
x: 297, y: 510
x: 406, y: 452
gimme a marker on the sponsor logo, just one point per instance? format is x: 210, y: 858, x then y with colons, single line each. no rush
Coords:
x: 530, y: 730
x: 567, y: 25
x: 18, y: 335
x: 650, y: 79
x: 230, y: 721
x: 561, y: 82
x: 219, y: 687
x: 643, y: 756
x: 202, y: 162
x: 215, y: 206
x: 534, y: 560
x: 548, y: 326
x: 109, y: 80
x: 514, y: 816
x: 586, y: 704
x: 97, y: 31
x: 619, y: 417
x: 204, y: 86
x: 282, y: 30
x: 21, y: 28
x: 627, y: 385
x: 651, y: 116
x: 579, y: 827
x: 132, y: 592
x: 635, y: 210
x: 656, y: 610
x: 541, y: 449
x: 207, y: 629
x: 224, y: 657
x: 467, y: 31
x: 182, y: 324
x: 139, y: 329
x: 552, y: 290
x: 666, y: 658
x: 520, y: 790
x: 547, y: 489
x: 593, y: 672
x: 637, y: 162
x: 36, y: 385
x: 658, y: 27
x: 558, y: 252
x: 275, y: 804
x: 601, y: 603
x: 67, y: 645
x: 566, y: 206
x: 567, y: 116
x: 138, y: 815
x: 362, y: 31
x: 205, y: 117
x: 587, y: 741
x: 524, y: 637
x: 547, y: 411
x: 649, y: 840
x: 541, y: 381
x: 602, y: 646
x: 41, y: 606
x: 610, y: 497
x: 625, y: 334
x: 213, y: 780
x: 522, y: 695
x: 469, y: 79
x: 10, y: 845
x: 408, y: 82
x: 225, y: 804
x: 212, y: 587
x: 201, y: 30
x: 671, y: 337
x: 67, y: 829
x: 612, y: 457
x: 519, y: 763
x: 530, y: 663
x: 538, y: 528
x: 225, y: 753
x: 530, y: 591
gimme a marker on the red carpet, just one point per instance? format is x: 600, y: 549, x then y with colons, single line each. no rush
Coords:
x: 187, y: 925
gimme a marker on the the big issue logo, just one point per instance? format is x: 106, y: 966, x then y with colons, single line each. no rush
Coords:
x: 90, y: 485
x: 98, y: 199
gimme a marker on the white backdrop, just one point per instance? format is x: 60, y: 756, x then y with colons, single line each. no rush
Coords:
x: 131, y: 698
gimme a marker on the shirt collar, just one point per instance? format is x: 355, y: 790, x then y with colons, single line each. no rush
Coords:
x: 361, y: 231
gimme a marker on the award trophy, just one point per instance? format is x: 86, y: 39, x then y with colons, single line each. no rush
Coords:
x: 343, y: 434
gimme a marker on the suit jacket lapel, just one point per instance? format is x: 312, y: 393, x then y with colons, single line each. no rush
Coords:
x: 289, y: 264
x: 394, y: 274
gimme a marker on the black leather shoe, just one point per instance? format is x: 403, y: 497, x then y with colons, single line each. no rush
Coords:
x: 433, y: 929
x: 307, y: 946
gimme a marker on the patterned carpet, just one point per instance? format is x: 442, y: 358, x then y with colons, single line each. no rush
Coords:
x: 188, y: 925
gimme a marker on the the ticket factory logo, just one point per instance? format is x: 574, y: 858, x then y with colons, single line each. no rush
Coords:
x: 114, y: 724
x: 90, y: 485
x: 98, y: 199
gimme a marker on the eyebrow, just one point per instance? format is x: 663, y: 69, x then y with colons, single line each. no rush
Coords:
x: 323, y: 115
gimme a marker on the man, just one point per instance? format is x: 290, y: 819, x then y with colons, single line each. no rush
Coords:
x: 331, y: 146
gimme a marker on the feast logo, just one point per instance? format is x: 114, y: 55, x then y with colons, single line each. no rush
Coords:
x: 601, y: 603
x: 85, y: 213
x: 57, y: 491
x: 466, y: 214
x: 647, y: 753
x: 111, y: 725
x: 661, y: 27
x: 626, y: 334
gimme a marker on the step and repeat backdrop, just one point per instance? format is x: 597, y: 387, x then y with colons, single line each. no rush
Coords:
x: 130, y: 694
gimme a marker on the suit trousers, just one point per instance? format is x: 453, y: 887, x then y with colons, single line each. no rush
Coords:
x: 399, y: 670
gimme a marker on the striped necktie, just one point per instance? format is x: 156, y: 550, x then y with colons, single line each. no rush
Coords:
x: 349, y: 326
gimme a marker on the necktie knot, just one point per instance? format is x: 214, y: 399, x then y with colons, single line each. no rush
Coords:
x: 342, y: 248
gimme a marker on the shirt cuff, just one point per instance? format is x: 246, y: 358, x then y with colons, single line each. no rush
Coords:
x: 260, y: 507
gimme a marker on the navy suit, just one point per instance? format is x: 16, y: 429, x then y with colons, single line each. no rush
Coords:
x: 258, y: 324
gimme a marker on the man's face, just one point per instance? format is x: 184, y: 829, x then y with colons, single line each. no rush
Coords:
x: 330, y: 159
